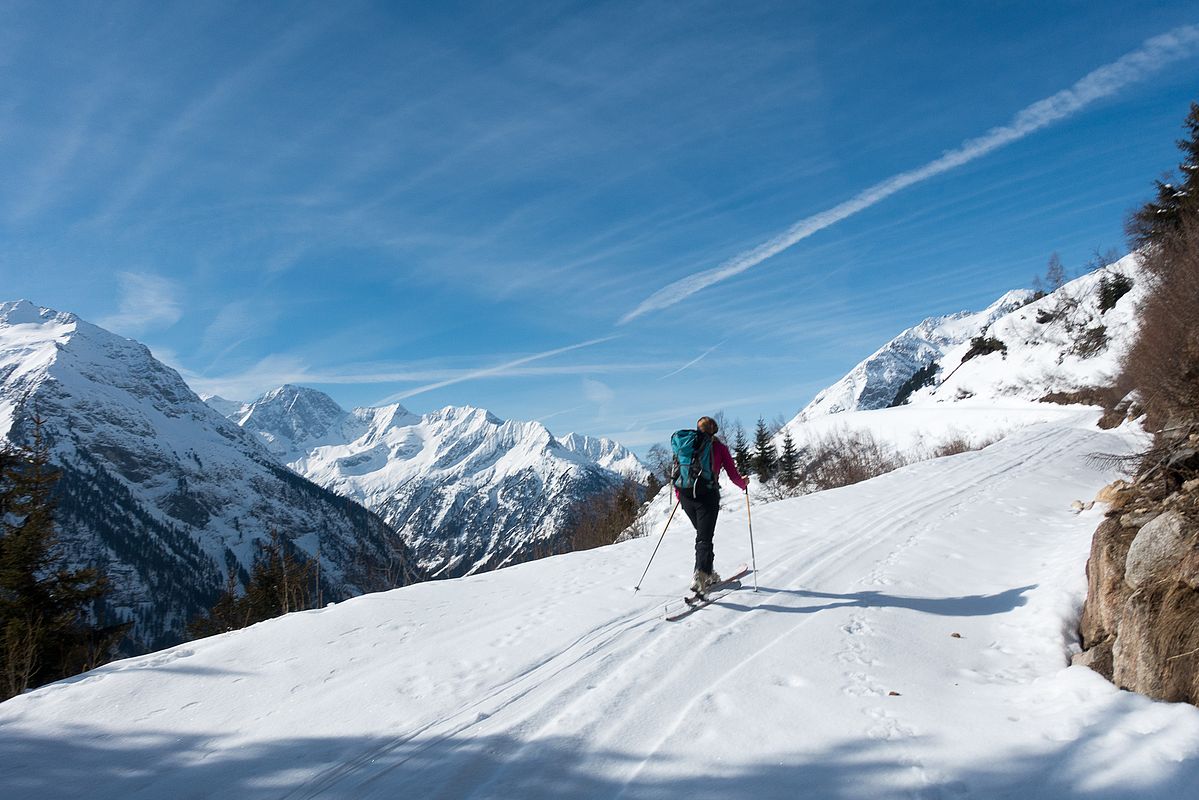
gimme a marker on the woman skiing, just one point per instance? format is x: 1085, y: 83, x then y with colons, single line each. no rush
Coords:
x: 699, y: 492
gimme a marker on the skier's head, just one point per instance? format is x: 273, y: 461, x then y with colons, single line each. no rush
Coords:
x: 707, y: 425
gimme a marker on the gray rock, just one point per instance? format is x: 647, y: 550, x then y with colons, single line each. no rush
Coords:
x: 1138, y: 518
x: 1106, y: 589
x: 1156, y: 549
x: 1098, y: 658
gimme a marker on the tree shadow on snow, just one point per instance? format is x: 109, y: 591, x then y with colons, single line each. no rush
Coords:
x: 974, y: 605
x: 100, y: 765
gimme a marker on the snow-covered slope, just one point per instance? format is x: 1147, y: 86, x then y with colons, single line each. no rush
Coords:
x: 1060, y: 344
x: 156, y: 487
x: 910, y: 638
x: 467, y: 490
x: 876, y: 382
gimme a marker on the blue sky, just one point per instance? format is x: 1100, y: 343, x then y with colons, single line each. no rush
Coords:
x: 471, y: 204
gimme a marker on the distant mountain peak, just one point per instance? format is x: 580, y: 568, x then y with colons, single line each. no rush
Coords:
x: 469, y: 490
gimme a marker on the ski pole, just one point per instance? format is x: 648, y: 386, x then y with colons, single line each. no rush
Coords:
x: 752, y: 557
x: 637, y: 588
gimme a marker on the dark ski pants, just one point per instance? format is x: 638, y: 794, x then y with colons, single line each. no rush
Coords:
x: 702, y: 512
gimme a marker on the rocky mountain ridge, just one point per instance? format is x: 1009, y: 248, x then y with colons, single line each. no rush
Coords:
x: 468, y: 491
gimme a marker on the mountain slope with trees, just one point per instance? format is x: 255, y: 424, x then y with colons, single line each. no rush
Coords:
x: 163, y: 495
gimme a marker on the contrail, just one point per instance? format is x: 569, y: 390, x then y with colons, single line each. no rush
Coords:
x: 692, y: 362
x: 499, y: 369
x: 1178, y: 44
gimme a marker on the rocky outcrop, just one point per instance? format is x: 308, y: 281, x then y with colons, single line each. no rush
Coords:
x: 1140, y: 622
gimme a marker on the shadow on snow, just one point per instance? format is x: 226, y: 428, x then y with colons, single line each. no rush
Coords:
x: 974, y: 605
x: 94, y: 763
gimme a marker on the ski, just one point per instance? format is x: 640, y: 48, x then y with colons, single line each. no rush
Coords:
x: 713, y: 593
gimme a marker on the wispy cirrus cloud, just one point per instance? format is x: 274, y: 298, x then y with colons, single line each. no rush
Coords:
x: 146, y: 302
x: 160, y: 152
x: 1155, y: 54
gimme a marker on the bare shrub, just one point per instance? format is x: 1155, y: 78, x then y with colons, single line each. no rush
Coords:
x: 960, y: 443
x: 1163, y: 363
x: 1112, y: 287
x: 1091, y: 342
x: 599, y: 519
x: 984, y: 345
x: 776, y: 489
x: 1107, y: 397
x: 844, y: 458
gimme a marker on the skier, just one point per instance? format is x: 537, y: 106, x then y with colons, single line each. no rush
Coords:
x: 700, y: 498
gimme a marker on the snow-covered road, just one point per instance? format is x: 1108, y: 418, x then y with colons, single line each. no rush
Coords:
x: 910, y: 638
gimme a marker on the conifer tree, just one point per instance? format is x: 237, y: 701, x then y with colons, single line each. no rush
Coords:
x: 1163, y: 217
x: 44, y: 631
x: 788, y: 464
x: 763, y: 453
x: 279, y: 583
x: 741, y: 455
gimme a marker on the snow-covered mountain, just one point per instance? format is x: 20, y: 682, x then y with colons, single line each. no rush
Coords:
x: 609, y: 454
x: 226, y: 408
x: 877, y: 381
x: 160, y: 490
x: 987, y: 372
x: 468, y: 491
x: 911, y: 638
x: 1065, y: 342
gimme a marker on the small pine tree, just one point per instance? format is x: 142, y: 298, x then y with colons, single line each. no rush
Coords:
x: 280, y: 582
x: 741, y: 454
x: 763, y: 452
x: 788, y: 463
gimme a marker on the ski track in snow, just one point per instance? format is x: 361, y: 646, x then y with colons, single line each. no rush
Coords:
x: 532, y: 689
x: 600, y: 675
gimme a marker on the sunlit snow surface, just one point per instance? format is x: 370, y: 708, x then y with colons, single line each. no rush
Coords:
x: 553, y: 679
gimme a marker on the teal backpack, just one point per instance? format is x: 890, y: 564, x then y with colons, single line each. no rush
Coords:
x: 692, y: 465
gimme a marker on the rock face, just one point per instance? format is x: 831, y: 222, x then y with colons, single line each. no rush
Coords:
x: 1140, y: 623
